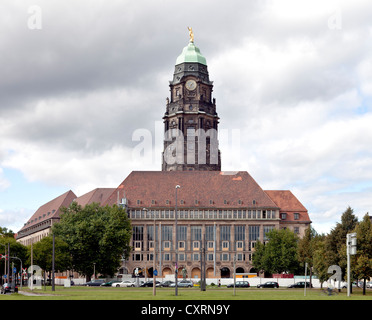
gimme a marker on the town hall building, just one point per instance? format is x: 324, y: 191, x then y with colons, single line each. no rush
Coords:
x: 190, y: 210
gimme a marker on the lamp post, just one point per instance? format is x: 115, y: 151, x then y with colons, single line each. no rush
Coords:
x: 53, y: 262
x: 176, y: 267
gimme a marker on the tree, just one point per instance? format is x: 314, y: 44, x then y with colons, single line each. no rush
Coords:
x: 258, y: 257
x: 363, y: 260
x: 279, y: 254
x: 43, y: 254
x: 306, y: 248
x: 320, y: 262
x: 5, y: 232
x: 336, y: 240
x: 97, y: 237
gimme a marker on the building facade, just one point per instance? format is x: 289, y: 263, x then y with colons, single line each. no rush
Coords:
x: 220, y: 217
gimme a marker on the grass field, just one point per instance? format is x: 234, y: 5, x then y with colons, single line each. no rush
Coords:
x: 212, y: 293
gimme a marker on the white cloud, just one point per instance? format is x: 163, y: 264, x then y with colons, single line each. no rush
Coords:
x: 297, y: 90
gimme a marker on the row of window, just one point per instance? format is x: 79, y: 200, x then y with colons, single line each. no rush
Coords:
x: 224, y: 231
x: 203, y: 214
x: 40, y: 217
x: 195, y: 245
x: 193, y: 257
x: 167, y: 202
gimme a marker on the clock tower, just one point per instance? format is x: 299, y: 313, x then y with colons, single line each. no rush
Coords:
x: 190, y: 119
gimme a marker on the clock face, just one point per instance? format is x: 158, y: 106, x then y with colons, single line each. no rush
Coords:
x: 190, y: 85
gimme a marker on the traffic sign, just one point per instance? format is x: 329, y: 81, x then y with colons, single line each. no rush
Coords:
x: 14, y: 270
x: 155, y: 272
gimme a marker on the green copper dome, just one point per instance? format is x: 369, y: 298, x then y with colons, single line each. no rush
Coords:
x: 191, y: 53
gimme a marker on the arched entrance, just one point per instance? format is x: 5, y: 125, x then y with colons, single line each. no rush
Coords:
x: 150, y: 272
x: 140, y: 272
x: 166, y: 271
x: 195, y: 273
x: 225, y: 272
x: 210, y: 273
x: 239, y: 270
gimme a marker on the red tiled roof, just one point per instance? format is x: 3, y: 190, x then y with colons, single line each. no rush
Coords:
x: 198, y: 189
x: 98, y: 195
x: 51, y: 209
x: 289, y: 204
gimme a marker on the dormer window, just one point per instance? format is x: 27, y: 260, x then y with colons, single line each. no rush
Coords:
x: 283, y: 215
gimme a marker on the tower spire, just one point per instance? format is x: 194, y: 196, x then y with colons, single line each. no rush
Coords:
x: 190, y: 119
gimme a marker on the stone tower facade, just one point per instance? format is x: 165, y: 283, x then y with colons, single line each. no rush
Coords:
x: 191, y: 120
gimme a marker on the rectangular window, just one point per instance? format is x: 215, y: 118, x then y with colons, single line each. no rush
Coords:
x: 225, y: 237
x: 225, y: 257
x: 151, y: 245
x: 210, y: 257
x: 240, y: 257
x: 181, y: 245
x: 166, y: 237
x: 239, y: 245
x: 209, y: 233
x: 196, y: 233
x: 166, y: 245
x: 181, y: 233
x: 225, y: 245
x: 195, y: 245
x: 254, y: 233
x: 137, y: 245
x: 296, y: 216
x: 210, y: 245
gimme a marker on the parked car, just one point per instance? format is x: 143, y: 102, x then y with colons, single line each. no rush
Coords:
x: 7, y: 287
x: 123, y: 284
x: 269, y: 284
x: 301, y: 284
x: 183, y: 283
x: 95, y: 283
x: 239, y: 284
x: 149, y: 283
x: 369, y: 285
x: 165, y: 283
x: 110, y: 283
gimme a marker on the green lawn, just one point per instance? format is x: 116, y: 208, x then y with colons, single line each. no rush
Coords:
x: 212, y: 293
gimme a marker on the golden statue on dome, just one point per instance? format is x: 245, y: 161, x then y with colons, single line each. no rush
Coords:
x: 191, y: 34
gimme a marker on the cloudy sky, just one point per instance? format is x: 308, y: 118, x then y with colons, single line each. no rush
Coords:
x: 81, y: 79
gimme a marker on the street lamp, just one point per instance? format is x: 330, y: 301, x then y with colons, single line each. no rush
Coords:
x: 176, y: 271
